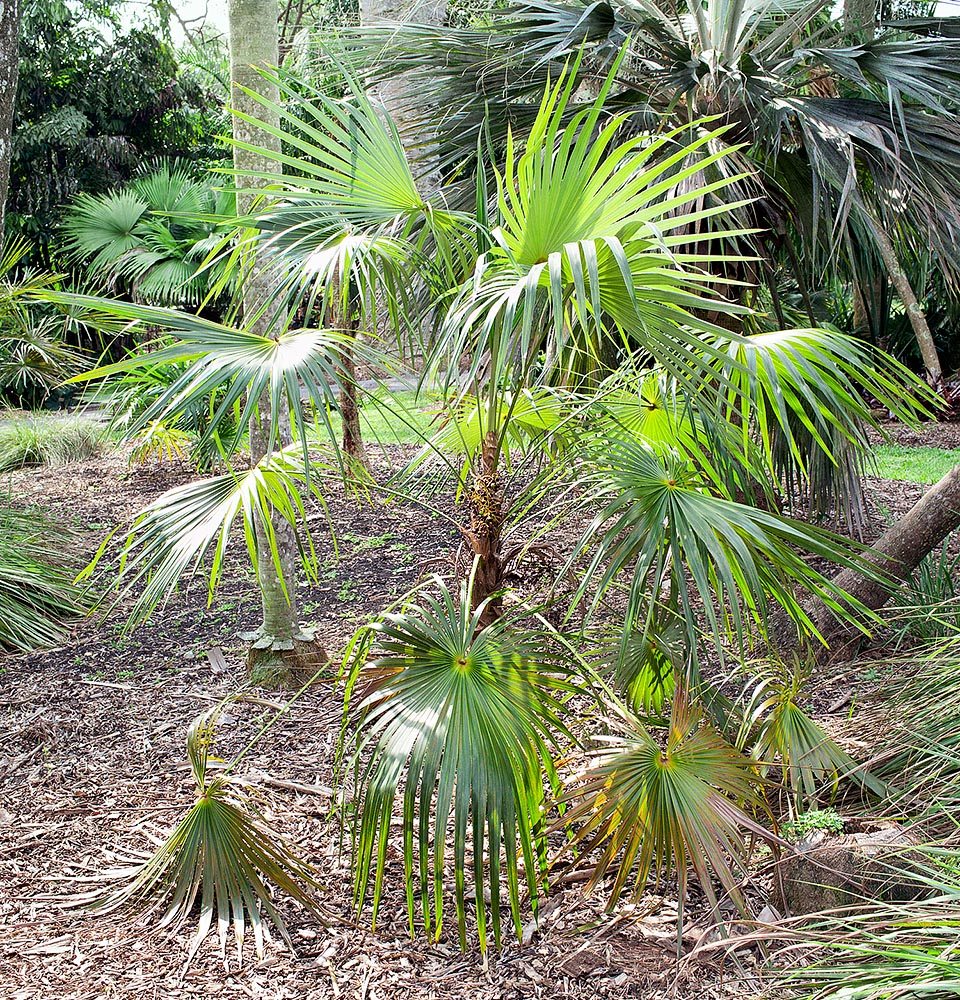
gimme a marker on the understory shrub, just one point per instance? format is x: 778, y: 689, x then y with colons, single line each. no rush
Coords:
x: 37, y: 597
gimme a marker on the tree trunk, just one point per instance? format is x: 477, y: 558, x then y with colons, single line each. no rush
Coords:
x: 918, y: 321
x: 280, y: 649
x: 486, y: 526
x: 9, y: 71
x: 400, y: 97
x: 899, y: 551
x: 353, y: 446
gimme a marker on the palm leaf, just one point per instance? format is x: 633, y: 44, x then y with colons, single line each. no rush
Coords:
x: 37, y: 598
x: 653, y: 807
x: 783, y: 734
x: 169, y: 540
x: 456, y: 722
x: 800, y: 395
x: 657, y: 512
x: 250, y: 370
x: 220, y: 854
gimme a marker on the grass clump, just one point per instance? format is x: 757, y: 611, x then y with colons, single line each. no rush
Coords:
x: 37, y: 597
x: 48, y: 439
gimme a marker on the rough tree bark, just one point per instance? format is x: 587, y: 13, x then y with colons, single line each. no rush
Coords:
x: 353, y: 446
x: 860, y: 15
x: 9, y: 70
x: 280, y: 649
x: 899, y: 551
x: 486, y: 530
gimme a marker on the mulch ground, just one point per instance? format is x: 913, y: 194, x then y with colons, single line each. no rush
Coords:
x: 93, y: 773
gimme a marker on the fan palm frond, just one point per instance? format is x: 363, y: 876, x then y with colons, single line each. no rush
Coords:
x: 457, y: 723
x: 659, y: 512
x: 171, y: 537
x: 250, y: 370
x: 800, y: 395
x: 783, y: 734
x: 653, y: 807
x: 220, y: 853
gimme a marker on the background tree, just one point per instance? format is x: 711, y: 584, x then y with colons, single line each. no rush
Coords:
x: 9, y: 71
x: 94, y: 103
x: 279, y: 641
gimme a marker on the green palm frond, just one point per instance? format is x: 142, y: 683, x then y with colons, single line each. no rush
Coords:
x: 526, y: 420
x: 220, y: 855
x: 647, y: 662
x: 169, y: 540
x: 351, y: 174
x: 648, y: 406
x: 654, y: 806
x: 588, y: 248
x: 37, y: 597
x: 783, y: 734
x: 659, y: 514
x: 800, y: 394
x: 457, y: 723
x: 246, y: 370
x: 102, y: 230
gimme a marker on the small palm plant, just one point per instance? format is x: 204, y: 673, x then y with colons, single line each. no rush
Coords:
x: 219, y: 854
x: 151, y: 239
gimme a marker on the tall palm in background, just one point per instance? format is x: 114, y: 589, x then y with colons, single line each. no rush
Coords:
x: 845, y: 152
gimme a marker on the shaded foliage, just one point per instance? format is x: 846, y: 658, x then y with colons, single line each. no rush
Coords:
x: 94, y: 103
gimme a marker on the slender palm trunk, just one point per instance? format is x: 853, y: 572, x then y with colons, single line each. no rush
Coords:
x: 486, y: 528
x: 9, y: 71
x: 253, y: 45
x: 860, y: 15
x: 918, y: 321
x: 353, y: 446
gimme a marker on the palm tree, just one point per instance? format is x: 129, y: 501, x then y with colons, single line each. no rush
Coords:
x: 845, y: 150
x: 151, y: 239
x: 583, y: 255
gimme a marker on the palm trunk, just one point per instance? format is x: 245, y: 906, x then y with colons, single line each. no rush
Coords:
x: 353, y: 446
x: 921, y: 329
x: 401, y: 97
x: 279, y: 646
x: 860, y: 15
x: 9, y: 71
x: 485, y: 534
x: 899, y: 551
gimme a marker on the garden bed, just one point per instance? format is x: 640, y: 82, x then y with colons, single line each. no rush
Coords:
x: 93, y: 773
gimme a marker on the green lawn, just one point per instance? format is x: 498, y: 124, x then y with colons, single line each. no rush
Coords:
x: 915, y: 465
x: 391, y: 418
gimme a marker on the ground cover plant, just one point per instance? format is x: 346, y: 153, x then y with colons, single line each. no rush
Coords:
x: 48, y: 439
x: 915, y: 465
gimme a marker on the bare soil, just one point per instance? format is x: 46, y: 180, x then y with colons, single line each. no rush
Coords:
x: 93, y: 773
